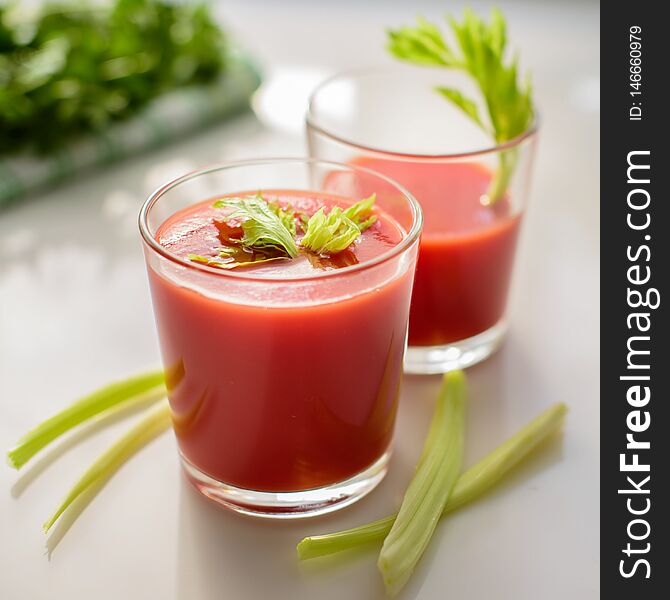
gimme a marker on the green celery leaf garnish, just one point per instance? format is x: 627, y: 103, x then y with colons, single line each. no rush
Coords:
x: 331, y: 233
x: 336, y: 231
x: 266, y: 231
x: 264, y: 228
x: 286, y: 215
x: 361, y: 213
x: 482, y: 56
x: 304, y: 219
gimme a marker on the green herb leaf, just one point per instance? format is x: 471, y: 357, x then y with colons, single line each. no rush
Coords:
x: 336, y: 231
x: 331, y: 233
x: 361, y: 213
x: 264, y: 228
x: 483, y: 48
x: 422, y: 44
x: 73, y: 68
x: 468, y: 106
x: 430, y: 488
x: 482, y: 56
x: 286, y: 215
x: 470, y: 485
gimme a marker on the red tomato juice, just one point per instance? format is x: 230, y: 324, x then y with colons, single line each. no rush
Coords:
x: 466, y: 252
x: 288, y: 397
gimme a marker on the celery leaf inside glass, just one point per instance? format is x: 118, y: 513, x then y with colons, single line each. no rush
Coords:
x: 481, y: 55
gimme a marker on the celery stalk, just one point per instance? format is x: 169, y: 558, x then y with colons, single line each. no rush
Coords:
x: 155, y: 421
x: 470, y: 485
x: 502, y: 176
x: 430, y: 488
x: 79, y: 411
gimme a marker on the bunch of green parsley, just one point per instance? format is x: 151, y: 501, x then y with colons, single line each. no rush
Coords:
x: 74, y: 68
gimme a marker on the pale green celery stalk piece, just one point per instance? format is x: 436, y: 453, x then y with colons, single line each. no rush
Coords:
x: 502, y: 176
x: 80, y: 411
x: 430, y: 488
x: 470, y: 485
x: 155, y: 421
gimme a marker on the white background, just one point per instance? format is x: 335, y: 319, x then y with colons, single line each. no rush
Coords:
x: 75, y: 313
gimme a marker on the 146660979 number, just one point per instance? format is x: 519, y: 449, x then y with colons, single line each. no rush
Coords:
x: 635, y: 56
x: 635, y: 72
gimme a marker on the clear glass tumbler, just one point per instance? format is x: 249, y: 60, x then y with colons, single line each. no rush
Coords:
x: 283, y: 390
x: 473, y: 196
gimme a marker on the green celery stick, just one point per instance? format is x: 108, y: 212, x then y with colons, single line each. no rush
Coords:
x: 430, y: 488
x: 470, y: 485
x: 78, y: 412
x: 155, y: 421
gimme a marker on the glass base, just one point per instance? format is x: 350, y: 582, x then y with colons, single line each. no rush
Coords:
x: 428, y: 360
x: 289, y: 505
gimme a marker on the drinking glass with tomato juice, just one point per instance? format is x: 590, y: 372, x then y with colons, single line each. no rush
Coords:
x: 282, y: 376
x: 393, y: 121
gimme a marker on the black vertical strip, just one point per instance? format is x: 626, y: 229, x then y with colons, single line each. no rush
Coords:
x: 635, y: 336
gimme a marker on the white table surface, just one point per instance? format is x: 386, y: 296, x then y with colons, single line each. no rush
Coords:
x: 75, y: 313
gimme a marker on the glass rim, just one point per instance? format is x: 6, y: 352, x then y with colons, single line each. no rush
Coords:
x: 411, y: 236
x: 358, y: 73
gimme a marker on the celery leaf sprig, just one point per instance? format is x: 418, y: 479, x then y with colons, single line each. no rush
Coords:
x: 480, y: 54
x: 335, y: 231
x: 264, y: 227
x: 268, y: 231
x: 286, y: 215
x: 362, y: 213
